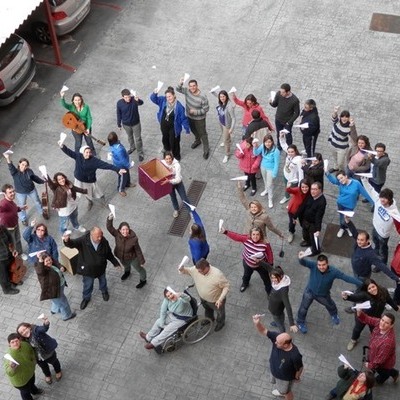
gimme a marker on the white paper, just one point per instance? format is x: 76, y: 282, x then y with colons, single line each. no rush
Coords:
x: 9, y: 358
x: 43, y: 170
x: 255, y: 140
x: 257, y: 255
x: 364, y: 174
x: 326, y: 163
x: 154, y: 67
x: 215, y: 89
x: 63, y: 136
x: 133, y: 93
x: 41, y: 316
x: 311, y: 158
x: 35, y: 253
x: 159, y: 85
x: 67, y: 232
x: 233, y: 90
x: 307, y: 252
x: 186, y: 77
x: 302, y: 126
x: 8, y: 152
x: 169, y: 288
x: 185, y: 259
x: 348, y: 292
x: 240, y: 178
x: 343, y: 359
x: 293, y: 181
x: 273, y: 94
x: 112, y: 209
x: 362, y: 306
x: 109, y: 156
x: 192, y: 208
x: 369, y: 151
x: 64, y: 88
x: 285, y: 131
x: 221, y: 222
x: 349, y: 214
x: 240, y: 149
x: 132, y: 164
x: 316, y: 242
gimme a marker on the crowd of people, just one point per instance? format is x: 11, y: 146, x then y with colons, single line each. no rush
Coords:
x: 357, y: 171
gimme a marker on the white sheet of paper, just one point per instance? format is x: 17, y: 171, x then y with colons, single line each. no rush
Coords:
x: 240, y: 149
x: 132, y: 164
x: 63, y: 136
x: 233, y: 90
x: 326, y: 163
x: 257, y: 255
x: 35, y: 253
x: 215, y: 89
x: 192, y: 208
x: 348, y: 292
x: 349, y: 214
x: 9, y: 358
x: 240, y: 178
x: 362, y: 306
x: 307, y: 252
x: 185, y: 259
x: 273, y: 94
x: 316, y: 242
x: 67, y: 232
x: 64, y: 88
x: 159, y: 85
x: 293, y: 181
x: 365, y: 174
x: 343, y: 359
x: 186, y: 77
x: 112, y: 209
x: 43, y: 170
x: 255, y: 140
x: 133, y: 93
x: 153, y: 66
x: 109, y: 156
x: 169, y: 288
x: 311, y: 158
x: 221, y: 222
x: 302, y: 126
x: 8, y: 152
x: 369, y: 151
x: 285, y: 131
x: 41, y: 316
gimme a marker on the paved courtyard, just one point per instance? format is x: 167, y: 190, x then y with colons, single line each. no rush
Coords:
x: 326, y: 51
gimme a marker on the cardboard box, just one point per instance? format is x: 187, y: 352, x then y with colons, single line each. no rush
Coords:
x: 151, y: 174
x: 69, y: 259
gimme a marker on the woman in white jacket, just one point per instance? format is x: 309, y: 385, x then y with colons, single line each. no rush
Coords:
x: 292, y: 171
x: 177, y: 185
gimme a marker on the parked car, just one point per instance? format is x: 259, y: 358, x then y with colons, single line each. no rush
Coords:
x: 67, y: 15
x: 17, y: 68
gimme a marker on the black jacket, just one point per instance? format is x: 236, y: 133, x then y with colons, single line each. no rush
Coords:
x: 313, y: 211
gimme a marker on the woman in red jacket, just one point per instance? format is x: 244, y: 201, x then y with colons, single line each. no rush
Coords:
x: 298, y: 195
x: 256, y: 249
x: 249, y: 164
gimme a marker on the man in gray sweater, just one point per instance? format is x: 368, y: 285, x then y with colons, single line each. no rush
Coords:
x: 196, y: 109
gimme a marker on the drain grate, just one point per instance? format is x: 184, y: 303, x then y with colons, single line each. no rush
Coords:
x: 385, y: 23
x: 179, y: 225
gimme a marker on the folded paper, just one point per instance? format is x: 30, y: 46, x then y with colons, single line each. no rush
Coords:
x: 112, y: 209
x: 233, y: 90
x: 349, y: 214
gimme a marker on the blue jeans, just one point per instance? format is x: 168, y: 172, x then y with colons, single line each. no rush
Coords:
x: 180, y: 188
x: 381, y: 246
x: 306, y: 301
x: 342, y: 222
x: 21, y: 200
x: 78, y: 142
x: 73, y: 218
x: 61, y: 305
x: 88, y: 282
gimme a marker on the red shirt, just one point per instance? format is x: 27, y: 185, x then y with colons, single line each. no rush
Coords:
x: 8, y: 213
x: 296, y: 200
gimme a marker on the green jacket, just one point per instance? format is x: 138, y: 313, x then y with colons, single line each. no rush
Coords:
x: 25, y: 356
x: 85, y: 114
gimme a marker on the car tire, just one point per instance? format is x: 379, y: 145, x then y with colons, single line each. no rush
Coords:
x: 41, y: 32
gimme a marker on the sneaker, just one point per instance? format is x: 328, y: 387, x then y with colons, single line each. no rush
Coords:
x: 340, y: 233
x: 206, y: 155
x: 125, y: 275
x: 302, y: 328
x: 277, y: 393
x: 72, y: 316
x: 243, y: 288
x: 349, y: 232
x: 141, y: 158
x: 253, y: 192
x: 11, y: 291
x: 284, y: 200
x: 175, y: 214
x: 225, y: 160
x: 335, y: 319
x: 140, y: 284
x: 195, y: 144
x: 245, y: 187
x: 270, y: 203
x: 290, y: 237
x: 222, y: 144
x: 81, y: 229
x: 262, y: 194
x: 351, y: 345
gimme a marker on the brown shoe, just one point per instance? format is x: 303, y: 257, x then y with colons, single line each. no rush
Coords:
x: 123, y: 194
x: 143, y: 335
x: 149, y: 346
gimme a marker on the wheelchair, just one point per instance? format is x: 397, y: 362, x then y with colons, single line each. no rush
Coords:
x: 194, y: 330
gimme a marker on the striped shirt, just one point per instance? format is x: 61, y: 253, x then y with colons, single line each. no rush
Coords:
x: 197, y: 102
x: 339, y: 136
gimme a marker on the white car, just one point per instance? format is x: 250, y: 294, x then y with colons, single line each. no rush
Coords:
x: 17, y: 68
x: 67, y: 15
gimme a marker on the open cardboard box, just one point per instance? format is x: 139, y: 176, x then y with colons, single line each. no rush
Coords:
x: 151, y: 174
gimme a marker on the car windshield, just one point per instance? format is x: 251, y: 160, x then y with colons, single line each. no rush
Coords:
x: 9, y: 50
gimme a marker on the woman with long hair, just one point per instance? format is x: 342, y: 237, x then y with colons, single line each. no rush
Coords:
x: 309, y: 115
x: 172, y: 119
x: 64, y: 201
x: 378, y: 296
x: 198, y: 244
x: 269, y: 165
x: 44, y: 346
x: 358, y: 161
x: 256, y: 249
x: 82, y: 111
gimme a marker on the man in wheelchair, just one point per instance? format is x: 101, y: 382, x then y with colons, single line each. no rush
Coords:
x: 176, y: 311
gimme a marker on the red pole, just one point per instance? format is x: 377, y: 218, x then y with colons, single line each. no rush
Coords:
x: 54, y: 39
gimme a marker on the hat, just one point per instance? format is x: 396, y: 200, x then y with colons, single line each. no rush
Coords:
x: 83, y: 148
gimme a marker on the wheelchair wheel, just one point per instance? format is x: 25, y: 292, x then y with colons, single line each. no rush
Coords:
x: 169, y: 345
x: 197, y: 330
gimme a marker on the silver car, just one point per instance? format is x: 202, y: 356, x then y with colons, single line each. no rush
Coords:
x: 67, y: 15
x: 17, y: 68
